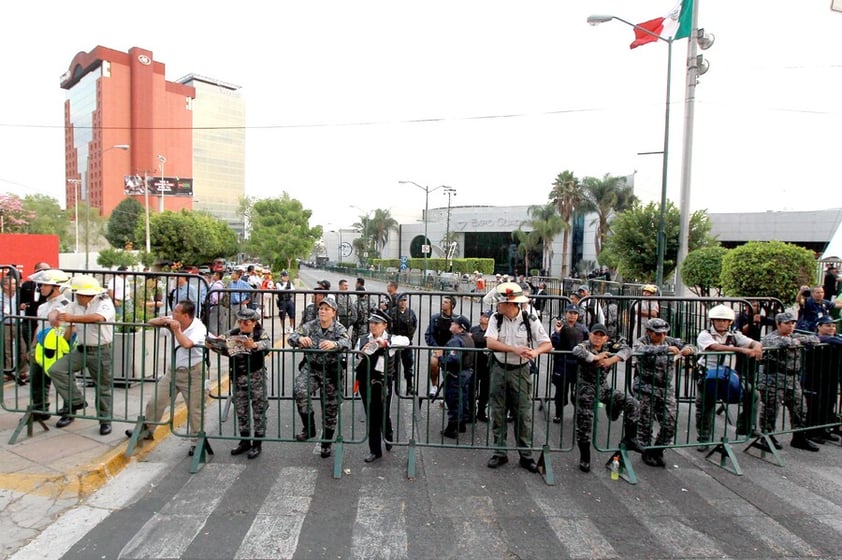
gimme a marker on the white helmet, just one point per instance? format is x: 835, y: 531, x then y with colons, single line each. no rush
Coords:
x: 721, y: 312
x: 52, y: 276
x: 509, y: 292
x: 86, y: 285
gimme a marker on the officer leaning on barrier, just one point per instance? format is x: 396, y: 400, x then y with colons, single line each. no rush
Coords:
x: 90, y: 315
x: 50, y: 344
x: 510, y: 336
x: 718, y: 338
x: 653, y: 386
x: 596, y: 357
x: 458, y: 369
x: 779, y: 381
x: 320, y: 370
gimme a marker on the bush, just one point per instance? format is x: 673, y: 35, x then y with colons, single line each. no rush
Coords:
x: 702, y: 270
x: 767, y: 269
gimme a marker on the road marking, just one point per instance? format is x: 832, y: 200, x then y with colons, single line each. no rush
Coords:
x: 170, y: 531
x: 379, y: 527
x: 275, y: 530
x: 578, y: 534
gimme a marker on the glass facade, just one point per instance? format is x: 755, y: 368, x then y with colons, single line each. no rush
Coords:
x: 82, y: 105
x: 218, y: 149
x: 501, y: 247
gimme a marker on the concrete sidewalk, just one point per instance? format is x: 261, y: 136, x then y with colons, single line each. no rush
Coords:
x: 54, y: 469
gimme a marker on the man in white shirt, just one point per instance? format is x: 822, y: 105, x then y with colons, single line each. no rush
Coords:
x: 189, y: 334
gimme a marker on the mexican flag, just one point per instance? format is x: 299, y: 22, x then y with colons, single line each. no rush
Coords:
x: 675, y: 24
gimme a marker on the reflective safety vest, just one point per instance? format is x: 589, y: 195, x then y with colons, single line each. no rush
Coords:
x: 50, y: 345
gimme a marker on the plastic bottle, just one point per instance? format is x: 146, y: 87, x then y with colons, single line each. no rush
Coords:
x: 615, y: 468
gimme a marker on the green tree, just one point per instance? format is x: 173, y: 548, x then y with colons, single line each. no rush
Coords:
x: 48, y: 218
x: 192, y: 237
x: 280, y: 231
x: 122, y: 225
x: 702, y: 270
x: 567, y: 196
x: 633, y: 244
x: 527, y: 242
x: 606, y: 197
x: 767, y: 269
x: 379, y: 227
x: 363, y: 245
x: 547, y: 224
x: 112, y: 257
x: 15, y: 218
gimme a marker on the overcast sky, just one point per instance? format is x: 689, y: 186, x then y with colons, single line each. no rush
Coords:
x: 344, y: 99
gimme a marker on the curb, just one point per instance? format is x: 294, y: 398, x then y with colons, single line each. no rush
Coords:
x: 87, y: 479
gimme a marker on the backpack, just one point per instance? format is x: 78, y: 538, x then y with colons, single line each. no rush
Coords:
x: 533, y: 367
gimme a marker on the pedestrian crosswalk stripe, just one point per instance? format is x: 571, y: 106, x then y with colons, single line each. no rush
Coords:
x: 275, y: 530
x: 169, y: 532
x: 379, y: 528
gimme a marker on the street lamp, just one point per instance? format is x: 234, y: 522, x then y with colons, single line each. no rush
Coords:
x: 449, y: 191
x: 75, y: 183
x: 427, y: 191
x: 659, y: 271
x: 161, y: 161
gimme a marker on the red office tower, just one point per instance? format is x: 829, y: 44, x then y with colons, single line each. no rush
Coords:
x: 127, y: 129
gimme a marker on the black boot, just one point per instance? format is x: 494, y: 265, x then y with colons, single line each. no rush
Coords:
x: 308, y: 426
x: 800, y: 441
x: 654, y: 457
x: 630, y: 439
x: 585, y: 456
x: 243, y: 447
x: 256, y: 447
x: 450, y: 431
x: 327, y: 436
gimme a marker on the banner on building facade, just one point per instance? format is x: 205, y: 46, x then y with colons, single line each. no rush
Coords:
x: 156, y: 186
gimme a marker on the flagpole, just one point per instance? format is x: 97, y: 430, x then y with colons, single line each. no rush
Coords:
x: 687, y: 150
x: 662, y: 241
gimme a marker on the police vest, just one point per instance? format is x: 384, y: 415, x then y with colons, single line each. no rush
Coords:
x: 50, y: 345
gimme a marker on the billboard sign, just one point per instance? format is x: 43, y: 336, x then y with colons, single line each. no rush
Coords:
x: 156, y: 186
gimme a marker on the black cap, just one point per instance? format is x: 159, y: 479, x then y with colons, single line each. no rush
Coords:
x: 599, y: 327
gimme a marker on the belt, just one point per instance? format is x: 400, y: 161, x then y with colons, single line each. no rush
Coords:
x: 510, y: 367
x: 81, y: 348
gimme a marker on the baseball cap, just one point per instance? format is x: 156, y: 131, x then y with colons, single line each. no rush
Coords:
x: 785, y: 317
x: 824, y: 320
x: 572, y: 309
x: 583, y: 288
x: 248, y: 315
x: 657, y: 325
x: 324, y: 284
x: 599, y: 328
x: 328, y: 300
x: 462, y: 321
x: 403, y: 297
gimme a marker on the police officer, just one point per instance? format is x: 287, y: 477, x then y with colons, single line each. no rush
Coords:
x: 509, y: 372
x: 373, y: 372
x: 458, y: 366
x: 50, y: 302
x: 363, y: 305
x: 405, y: 323
x: 779, y: 381
x: 286, y: 300
x: 311, y: 311
x: 719, y: 338
x: 347, y: 311
x: 595, y: 363
x: 653, y: 386
x: 322, y: 370
x: 250, y: 377
x: 566, y: 334
x: 92, y: 318
x: 481, y: 366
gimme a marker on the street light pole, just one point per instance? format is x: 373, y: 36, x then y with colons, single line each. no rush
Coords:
x: 75, y: 183
x: 659, y: 269
x: 161, y: 161
x: 427, y: 191
x: 449, y: 191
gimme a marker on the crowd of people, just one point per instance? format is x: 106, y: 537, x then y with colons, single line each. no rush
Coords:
x: 485, y: 370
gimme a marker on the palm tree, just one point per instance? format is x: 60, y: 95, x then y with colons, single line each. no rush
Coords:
x: 379, y: 226
x: 547, y: 224
x: 362, y: 244
x: 527, y: 241
x: 566, y: 195
x: 606, y: 197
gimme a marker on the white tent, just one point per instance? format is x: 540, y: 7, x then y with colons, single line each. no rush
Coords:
x: 833, y: 251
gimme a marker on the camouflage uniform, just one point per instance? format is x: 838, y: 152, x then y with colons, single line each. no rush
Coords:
x: 250, y: 381
x: 310, y: 313
x: 347, y: 311
x: 653, y: 386
x: 320, y: 369
x: 779, y: 382
x: 593, y: 378
x: 361, y: 326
